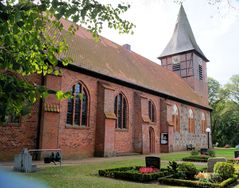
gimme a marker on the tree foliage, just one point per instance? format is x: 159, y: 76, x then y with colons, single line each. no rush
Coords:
x: 27, y: 47
x: 225, y: 115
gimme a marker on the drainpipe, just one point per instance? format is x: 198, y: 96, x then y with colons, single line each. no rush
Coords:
x: 40, y: 113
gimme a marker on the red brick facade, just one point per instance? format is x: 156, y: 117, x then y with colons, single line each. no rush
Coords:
x: 100, y: 138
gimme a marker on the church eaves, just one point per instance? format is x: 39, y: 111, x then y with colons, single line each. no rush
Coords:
x: 111, y: 61
x: 183, y: 39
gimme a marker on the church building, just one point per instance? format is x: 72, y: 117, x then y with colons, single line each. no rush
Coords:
x: 127, y: 103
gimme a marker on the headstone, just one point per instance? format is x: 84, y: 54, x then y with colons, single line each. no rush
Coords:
x: 236, y: 153
x: 23, y: 162
x: 204, y: 151
x: 212, y: 161
x: 152, y: 161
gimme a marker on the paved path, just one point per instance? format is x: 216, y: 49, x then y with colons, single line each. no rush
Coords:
x: 88, y: 160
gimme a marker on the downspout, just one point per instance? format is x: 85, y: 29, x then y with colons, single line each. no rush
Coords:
x: 40, y: 113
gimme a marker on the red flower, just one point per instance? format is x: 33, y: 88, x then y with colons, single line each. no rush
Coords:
x: 145, y: 170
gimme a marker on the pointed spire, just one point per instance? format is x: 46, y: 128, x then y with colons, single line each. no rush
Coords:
x: 183, y: 39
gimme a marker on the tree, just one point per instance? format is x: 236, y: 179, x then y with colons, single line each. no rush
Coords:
x: 27, y: 47
x: 225, y: 115
x: 232, y: 88
x: 213, y: 91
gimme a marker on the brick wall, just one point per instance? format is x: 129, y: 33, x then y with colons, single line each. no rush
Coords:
x: 101, y: 137
x: 180, y: 139
x: 15, y: 137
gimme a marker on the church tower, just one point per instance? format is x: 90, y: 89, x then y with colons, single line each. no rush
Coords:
x: 183, y: 56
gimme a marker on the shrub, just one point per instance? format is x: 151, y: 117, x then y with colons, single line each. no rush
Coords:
x: 225, y: 170
x: 188, y: 169
x: 196, y: 158
x: 188, y: 183
x: 211, y: 153
x: 172, y: 167
x: 194, y: 152
x: 132, y: 174
x: 215, y: 178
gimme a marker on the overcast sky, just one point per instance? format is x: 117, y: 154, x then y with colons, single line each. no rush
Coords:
x: 215, y: 27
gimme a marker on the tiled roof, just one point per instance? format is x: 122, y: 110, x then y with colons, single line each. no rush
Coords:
x: 182, y: 39
x: 110, y: 59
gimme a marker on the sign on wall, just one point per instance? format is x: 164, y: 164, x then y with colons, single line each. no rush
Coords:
x: 164, y: 138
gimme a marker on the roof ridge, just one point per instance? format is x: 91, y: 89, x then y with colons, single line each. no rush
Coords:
x: 129, y: 66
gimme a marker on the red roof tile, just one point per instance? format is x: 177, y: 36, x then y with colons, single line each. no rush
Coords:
x: 113, y: 60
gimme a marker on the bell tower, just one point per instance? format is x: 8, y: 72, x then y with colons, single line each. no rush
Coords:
x: 183, y: 56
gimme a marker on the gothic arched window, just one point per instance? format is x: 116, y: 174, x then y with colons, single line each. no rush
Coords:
x: 121, y: 110
x: 191, y: 122
x: 77, y: 109
x: 203, y: 123
x: 175, y: 118
x: 151, y: 107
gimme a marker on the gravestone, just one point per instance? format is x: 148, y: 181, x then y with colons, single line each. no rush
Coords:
x: 23, y: 162
x: 236, y: 153
x: 212, y: 161
x: 204, y: 151
x: 152, y: 161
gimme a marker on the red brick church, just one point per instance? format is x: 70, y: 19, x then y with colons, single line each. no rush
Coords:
x: 129, y: 104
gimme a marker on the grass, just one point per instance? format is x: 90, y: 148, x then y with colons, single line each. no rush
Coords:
x: 228, y: 153
x: 85, y: 175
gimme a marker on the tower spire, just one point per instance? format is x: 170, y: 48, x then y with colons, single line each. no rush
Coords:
x: 182, y: 39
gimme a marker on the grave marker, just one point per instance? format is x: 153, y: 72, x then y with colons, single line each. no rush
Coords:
x: 152, y: 161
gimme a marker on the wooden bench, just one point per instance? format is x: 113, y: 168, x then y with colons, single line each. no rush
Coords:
x: 50, y: 155
x: 190, y: 147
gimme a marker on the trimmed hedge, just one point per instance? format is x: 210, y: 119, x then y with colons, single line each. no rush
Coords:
x: 169, y: 180
x: 132, y: 174
x: 196, y: 158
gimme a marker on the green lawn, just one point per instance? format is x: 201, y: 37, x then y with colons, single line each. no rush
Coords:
x: 225, y: 152
x: 85, y: 175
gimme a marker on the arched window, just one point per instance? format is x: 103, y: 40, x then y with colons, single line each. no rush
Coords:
x: 77, y: 110
x: 175, y: 118
x: 203, y: 123
x: 121, y: 110
x: 191, y: 122
x: 151, y: 107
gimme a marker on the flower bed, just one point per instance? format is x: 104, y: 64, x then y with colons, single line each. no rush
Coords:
x: 169, y: 180
x: 137, y: 174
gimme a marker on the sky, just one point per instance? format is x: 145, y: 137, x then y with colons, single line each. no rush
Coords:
x: 215, y: 27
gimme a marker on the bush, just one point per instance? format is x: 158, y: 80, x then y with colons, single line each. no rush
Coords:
x: 188, y: 169
x: 196, y: 158
x: 189, y: 183
x: 172, y: 167
x: 194, y: 152
x: 225, y: 170
x: 211, y: 153
x: 132, y: 174
x: 215, y: 178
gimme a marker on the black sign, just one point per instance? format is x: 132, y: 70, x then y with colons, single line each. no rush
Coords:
x: 164, y: 138
x: 152, y: 161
